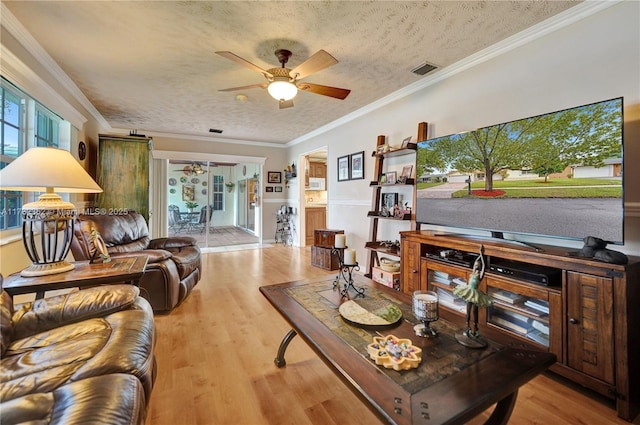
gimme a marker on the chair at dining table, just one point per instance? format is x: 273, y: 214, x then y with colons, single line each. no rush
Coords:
x: 176, y: 222
x: 203, y: 220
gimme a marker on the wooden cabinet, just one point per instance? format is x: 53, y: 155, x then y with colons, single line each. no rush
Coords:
x: 586, y: 316
x: 590, y: 325
x: 321, y: 251
x: 411, y: 280
x: 316, y: 218
x: 318, y: 169
x: 123, y: 174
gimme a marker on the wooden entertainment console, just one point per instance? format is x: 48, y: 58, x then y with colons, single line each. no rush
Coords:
x: 586, y: 312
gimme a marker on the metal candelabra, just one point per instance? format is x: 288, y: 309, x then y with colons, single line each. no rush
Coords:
x: 345, y: 272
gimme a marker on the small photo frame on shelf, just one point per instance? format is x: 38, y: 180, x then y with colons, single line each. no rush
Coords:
x: 406, y: 171
x: 343, y: 168
x: 278, y: 188
x: 357, y: 166
x: 391, y: 177
x: 99, y: 247
x: 269, y: 189
x: 389, y: 201
x: 405, y: 142
x: 274, y: 177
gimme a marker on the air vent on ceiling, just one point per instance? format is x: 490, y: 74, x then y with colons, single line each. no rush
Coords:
x: 423, y: 69
x: 215, y: 130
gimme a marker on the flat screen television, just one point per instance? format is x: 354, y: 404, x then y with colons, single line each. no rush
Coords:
x: 557, y: 175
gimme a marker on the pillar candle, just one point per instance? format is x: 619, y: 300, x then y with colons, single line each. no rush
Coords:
x: 350, y: 256
x: 341, y: 241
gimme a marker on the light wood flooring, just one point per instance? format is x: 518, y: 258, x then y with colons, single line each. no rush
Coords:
x: 219, y: 236
x: 215, y: 359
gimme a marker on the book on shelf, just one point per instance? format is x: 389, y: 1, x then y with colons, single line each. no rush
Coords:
x: 442, y: 278
x: 459, y: 281
x: 539, y: 337
x: 540, y: 327
x: 507, y: 296
x: 520, y: 307
x: 509, y: 325
x: 447, y: 299
x: 512, y: 315
x: 539, y: 305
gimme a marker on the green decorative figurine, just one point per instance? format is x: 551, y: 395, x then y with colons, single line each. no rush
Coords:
x: 475, y: 298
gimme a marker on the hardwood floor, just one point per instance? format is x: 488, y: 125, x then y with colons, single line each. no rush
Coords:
x: 215, y: 359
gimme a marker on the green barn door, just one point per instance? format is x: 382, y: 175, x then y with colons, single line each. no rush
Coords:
x: 123, y: 174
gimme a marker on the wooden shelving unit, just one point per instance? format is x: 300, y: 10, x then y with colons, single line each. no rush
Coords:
x: 375, y: 214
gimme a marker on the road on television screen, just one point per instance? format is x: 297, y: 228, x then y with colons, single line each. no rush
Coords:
x: 564, y: 217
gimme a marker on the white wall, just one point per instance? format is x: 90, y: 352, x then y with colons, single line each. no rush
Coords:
x: 593, y: 59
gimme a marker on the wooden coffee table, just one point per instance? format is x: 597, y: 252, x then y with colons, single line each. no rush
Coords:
x: 120, y: 269
x: 452, y: 384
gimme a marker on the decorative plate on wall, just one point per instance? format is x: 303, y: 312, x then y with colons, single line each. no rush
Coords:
x: 195, y: 180
x: 183, y: 179
x: 172, y: 181
x: 204, y: 182
x: 172, y: 190
x: 204, y: 191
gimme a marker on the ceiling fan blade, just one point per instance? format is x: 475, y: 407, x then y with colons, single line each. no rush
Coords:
x: 335, y: 92
x: 250, y: 86
x: 284, y: 104
x: 243, y: 62
x: 317, y: 62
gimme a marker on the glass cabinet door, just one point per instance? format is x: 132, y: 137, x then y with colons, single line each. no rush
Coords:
x: 523, y: 313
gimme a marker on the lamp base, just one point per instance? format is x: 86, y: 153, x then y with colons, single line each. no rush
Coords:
x: 44, y: 269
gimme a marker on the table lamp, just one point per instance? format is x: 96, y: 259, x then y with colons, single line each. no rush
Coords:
x: 49, y: 219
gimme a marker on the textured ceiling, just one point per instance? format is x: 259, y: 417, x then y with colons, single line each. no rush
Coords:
x: 151, y: 65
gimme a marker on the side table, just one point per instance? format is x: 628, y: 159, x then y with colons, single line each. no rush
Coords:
x: 119, y: 269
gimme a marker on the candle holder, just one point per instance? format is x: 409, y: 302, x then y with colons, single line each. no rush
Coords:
x: 425, y: 309
x: 345, y: 272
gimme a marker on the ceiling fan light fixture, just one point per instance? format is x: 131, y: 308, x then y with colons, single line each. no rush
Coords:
x: 282, y: 89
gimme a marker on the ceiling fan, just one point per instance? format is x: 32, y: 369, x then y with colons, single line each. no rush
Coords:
x: 283, y: 83
x: 192, y: 169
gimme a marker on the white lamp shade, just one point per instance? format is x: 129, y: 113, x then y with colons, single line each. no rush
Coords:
x: 39, y: 169
x: 282, y: 90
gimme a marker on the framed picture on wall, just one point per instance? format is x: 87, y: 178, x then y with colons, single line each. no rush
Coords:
x: 269, y: 188
x: 188, y: 192
x: 357, y: 166
x: 274, y: 177
x: 343, y: 168
x: 278, y: 188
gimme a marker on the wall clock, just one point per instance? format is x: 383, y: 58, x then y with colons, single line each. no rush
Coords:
x: 82, y: 150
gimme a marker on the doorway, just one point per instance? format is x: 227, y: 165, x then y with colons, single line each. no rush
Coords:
x: 204, y: 202
x: 314, y: 194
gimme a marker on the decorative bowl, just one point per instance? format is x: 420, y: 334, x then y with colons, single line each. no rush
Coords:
x: 394, y: 353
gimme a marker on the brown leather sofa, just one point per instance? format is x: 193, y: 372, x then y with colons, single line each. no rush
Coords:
x: 174, y: 265
x: 85, y: 357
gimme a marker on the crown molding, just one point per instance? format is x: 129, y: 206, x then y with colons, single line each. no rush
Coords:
x: 17, y: 30
x: 212, y: 157
x: 202, y: 138
x: 559, y: 21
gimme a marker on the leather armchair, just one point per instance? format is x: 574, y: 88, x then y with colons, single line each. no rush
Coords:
x: 79, y: 358
x: 174, y: 265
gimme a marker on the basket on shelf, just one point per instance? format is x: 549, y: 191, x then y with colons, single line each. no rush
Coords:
x: 389, y: 265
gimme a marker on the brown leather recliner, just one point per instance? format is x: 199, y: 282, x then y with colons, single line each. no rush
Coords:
x: 85, y: 357
x: 174, y: 265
